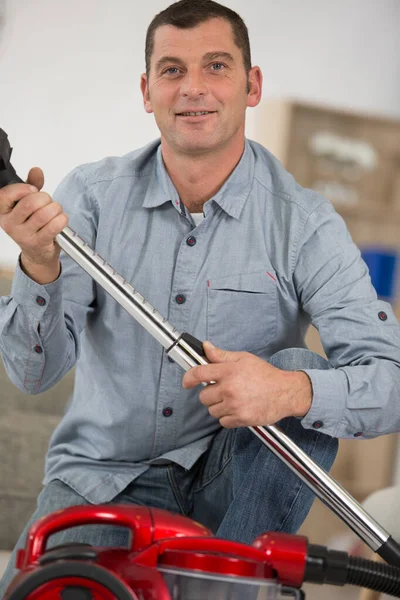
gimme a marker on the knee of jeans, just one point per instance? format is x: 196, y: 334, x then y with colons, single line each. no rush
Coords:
x: 294, y: 359
x: 109, y: 536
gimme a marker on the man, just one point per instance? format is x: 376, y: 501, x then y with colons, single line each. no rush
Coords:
x: 219, y: 238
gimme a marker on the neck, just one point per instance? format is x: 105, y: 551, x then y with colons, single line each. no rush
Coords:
x: 198, y: 178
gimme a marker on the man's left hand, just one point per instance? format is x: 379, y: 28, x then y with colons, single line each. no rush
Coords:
x: 248, y: 391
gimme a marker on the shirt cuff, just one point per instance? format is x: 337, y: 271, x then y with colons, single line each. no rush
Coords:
x: 329, y: 402
x: 35, y: 298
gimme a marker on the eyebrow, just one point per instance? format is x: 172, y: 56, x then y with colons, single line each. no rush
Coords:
x: 223, y: 55
x: 208, y: 56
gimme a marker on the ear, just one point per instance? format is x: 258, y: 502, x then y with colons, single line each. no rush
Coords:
x: 255, y: 79
x: 145, y: 93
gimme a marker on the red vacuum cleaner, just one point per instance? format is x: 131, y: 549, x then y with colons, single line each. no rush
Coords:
x: 173, y: 557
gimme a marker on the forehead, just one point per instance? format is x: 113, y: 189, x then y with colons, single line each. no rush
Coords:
x: 212, y: 36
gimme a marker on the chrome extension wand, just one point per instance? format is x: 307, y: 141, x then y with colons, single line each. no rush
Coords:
x: 188, y: 352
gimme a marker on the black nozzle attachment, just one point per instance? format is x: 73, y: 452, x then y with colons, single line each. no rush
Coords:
x: 390, y: 552
x: 7, y: 171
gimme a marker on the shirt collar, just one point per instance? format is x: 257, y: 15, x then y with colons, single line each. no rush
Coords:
x: 231, y: 197
x: 236, y: 189
x: 161, y: 189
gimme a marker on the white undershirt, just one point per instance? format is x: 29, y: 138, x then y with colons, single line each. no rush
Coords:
x: 197, y: 218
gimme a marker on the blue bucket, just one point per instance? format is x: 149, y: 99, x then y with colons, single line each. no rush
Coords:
x: 382, y: 265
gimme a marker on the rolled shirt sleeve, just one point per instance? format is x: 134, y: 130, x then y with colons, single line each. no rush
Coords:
x: 359, y: 333
x: 40, y: 325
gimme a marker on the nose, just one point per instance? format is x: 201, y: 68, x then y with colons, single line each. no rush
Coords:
x: 194, y: 84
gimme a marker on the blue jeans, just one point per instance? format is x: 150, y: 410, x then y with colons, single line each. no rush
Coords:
x: 238, y: 488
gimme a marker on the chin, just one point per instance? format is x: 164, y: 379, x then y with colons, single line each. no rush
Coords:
x: 197, y: 146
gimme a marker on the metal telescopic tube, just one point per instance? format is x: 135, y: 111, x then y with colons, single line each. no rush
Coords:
x: 320, y: 482
x: 117, y: 287
x: 129, y: 298
x: 324, y: 486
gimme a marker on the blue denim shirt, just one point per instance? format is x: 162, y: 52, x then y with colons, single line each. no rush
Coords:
x: 269, y: 259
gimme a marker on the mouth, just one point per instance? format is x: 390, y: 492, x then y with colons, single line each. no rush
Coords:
x: 200, y: 113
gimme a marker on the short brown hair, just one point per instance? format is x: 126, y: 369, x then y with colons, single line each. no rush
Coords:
x: 186, y: 14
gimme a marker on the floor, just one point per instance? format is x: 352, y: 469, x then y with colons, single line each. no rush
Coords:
x: 330, y: 592
x: 4, y: 558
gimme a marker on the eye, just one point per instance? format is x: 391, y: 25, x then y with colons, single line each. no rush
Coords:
x: 171, y: 71
x: 217, y: 66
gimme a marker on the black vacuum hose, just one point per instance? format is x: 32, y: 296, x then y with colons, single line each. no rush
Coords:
x: 374, y: 576
x: 336, y: 567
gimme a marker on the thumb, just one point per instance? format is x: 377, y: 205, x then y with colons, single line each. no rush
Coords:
x: 36, y: 177
x: 216, y: 355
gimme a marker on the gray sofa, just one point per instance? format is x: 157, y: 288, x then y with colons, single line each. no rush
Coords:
x: 26, y: 424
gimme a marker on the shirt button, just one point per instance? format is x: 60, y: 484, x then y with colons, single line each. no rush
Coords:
x: 191, y: 241
x: 382, y: 315
x: 171, y: 360
x: 358, y: 434
x: 38, y: 349
x: 167, y: 412
x: 40, y: 300
x: 180, y: 299
x: 318, y: 424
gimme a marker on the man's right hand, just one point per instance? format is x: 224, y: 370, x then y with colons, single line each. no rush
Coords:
x: 33, y: 220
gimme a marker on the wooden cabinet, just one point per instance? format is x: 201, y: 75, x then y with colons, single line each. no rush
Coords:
x: 352, y: 159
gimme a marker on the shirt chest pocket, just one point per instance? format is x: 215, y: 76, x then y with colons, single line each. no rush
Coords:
x: 241, y: 311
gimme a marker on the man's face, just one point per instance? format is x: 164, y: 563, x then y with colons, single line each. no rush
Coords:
x: 198, y: 88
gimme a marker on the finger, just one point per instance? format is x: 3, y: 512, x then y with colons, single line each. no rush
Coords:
x: 217, y: 355
x: 218, y: 411
x: 27, y: 206
x: 36, y: 177
x: 11, y: 194
x: 48, y: 234
x: 229, y: 422
x: 211, y: 395
x: 202, y: 374
x: 41, y: 217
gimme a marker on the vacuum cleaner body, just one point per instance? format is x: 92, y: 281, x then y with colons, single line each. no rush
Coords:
x: 170, y: 557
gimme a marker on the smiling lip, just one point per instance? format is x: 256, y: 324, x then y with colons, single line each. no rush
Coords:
x: 195, y: 114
